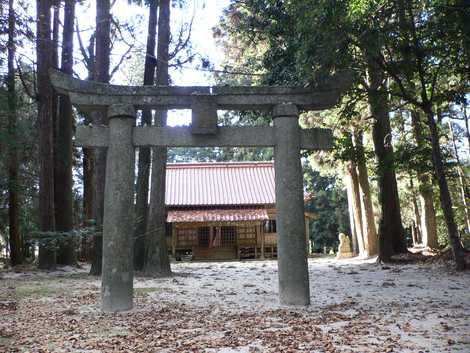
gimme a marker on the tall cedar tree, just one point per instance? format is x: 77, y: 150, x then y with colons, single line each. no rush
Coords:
x: 355, y: 212
x: 419, y: 86
x: 329, y: 35
x: 460, y: 172
x: 370, y: 231
x: 88, y: 54
x: 417, y: 45
x: 428, y: 226
x: 157, y: 261
x: 101, y: 74
x: 141, y: 210
x: 391, y: 233
x: 63, y: 157
x: 47, y: 254
x: 444, y: 193
x: 16, y: 251
x: 428, y: 214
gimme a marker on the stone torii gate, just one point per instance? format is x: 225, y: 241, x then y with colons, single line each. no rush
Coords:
x: 121, y: 138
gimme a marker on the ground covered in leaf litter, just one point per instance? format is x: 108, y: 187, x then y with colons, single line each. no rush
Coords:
x: 231, y: 307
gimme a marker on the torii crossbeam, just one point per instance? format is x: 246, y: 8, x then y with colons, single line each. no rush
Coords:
x: 122, y: 136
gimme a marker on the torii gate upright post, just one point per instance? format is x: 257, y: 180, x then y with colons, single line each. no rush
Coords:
x: 294, y: 288
x: 118, y: 221
x: 122, y: 136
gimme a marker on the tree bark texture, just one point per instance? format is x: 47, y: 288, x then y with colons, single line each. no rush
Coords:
x: 391, y: 234
x: 143, y: 172
x: 63, y: 170
x: 428, y: 214
x: 444, y: 194
x: 158, y: 261
x: 356, y: 205
x: 352, y: 221
x: 462, y: 184
x: 101, y: 74
x: 88, y: 152
x: 47, y: 255
x: 426, y: 106
x: 426, y: 195
x: 15, y: 239
x: 417, y: 239
x: 87, y: 184
x: 368, y: 222
x: 55, y: 65
x: 55, y: 97
x: 465, y: 119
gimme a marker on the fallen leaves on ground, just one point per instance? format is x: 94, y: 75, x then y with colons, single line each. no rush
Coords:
x: 66, y: 318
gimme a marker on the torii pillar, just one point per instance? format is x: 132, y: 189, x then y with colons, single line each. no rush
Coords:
x: 294, y: 286
x: 118, y: 244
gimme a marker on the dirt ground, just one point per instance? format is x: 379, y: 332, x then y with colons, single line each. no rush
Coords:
x: 231, y: 307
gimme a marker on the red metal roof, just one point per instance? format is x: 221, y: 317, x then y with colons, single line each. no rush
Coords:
x: 217, y: 184
x: 217, y: 215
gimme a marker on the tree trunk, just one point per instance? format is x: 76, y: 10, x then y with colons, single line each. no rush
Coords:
x: 158, y: 261
x: 428, y: 213
x: 55, y: 98
x: 426, y: 106
x: 141, y: 209
x: 88, y: 54
x: 63, y: 170
x: 16, y: 244
x: 417, y: 218
x: 465, y: 119
x: 463, y: 187
x: 47, y: 254
x: 462, y: 5
x: 101, y: 74
x: 87, y: 203
x: 356, y: 206
x: 87, y: 182
x: 368, y: 221
x: 352, y: 221
x: 426, y: 195
x: 55, y: 65
x: 444, y: 194
x: 391, y: 234
x: 88, y: 162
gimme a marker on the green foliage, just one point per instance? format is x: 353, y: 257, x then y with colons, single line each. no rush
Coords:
x: 330, y: 209
x: 53, y: 240
x: 302, y: 42
x: 26, y: 146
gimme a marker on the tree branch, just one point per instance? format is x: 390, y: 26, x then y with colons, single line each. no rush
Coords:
x: 182, y: 44
x: 82, y: 47
x: 32, y: 94
x: 123, y: 57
